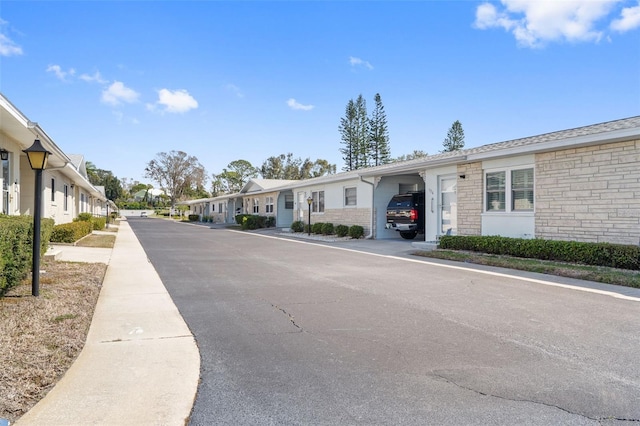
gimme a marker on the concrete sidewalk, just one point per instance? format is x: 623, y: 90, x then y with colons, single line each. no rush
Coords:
x: 140, y: 364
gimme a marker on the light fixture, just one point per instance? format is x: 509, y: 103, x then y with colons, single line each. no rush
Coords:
x: 309, y: 201
x: 37, y: 156
x: 4, y: 154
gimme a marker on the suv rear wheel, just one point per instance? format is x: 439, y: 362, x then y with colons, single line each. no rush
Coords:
x: 409, y: 235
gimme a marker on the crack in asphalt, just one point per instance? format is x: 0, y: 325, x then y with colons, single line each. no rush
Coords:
x: 595, y: 419
x: 291, y: 317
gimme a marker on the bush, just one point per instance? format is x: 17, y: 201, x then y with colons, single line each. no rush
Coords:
x: 356, y: 231
x: 194, y: 218
x: 599, y: 254
x: 253, y: 221
x: 83, y: 217
x: 71, y: 232
x: 327, y: 229
x: 270, y: 221
x: 316, y: 228
x: 16, y: 248
x: 240, y: 218
x: 297, y: 226
x: 342, y: 230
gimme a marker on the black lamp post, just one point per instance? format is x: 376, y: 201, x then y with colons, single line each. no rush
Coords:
x: 309, y: 201
x: 37, y: 156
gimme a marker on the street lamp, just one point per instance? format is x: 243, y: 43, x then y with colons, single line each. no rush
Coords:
x: 37, y: 156
x: 309, y: 201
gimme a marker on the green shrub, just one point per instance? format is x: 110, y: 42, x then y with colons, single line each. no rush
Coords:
x: 599, y: 254
x: 297, y: 226
x: 342, y: 230
x: 83, y: 217
x: 71, y: 232
x: 356, y: 231
x: 270, y: 222
x: 194, y: 218
x: 328, y: 229
x: 16, y: 248
x: 253, y: 221
x: 240, y: 218
x: 98, y: 223
x: 316, y: 228
x: 307, y: 228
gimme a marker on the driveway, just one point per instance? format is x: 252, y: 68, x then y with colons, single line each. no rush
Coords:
x: 296, y: 333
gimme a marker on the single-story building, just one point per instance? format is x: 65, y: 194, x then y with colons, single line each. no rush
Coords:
x: 67, y: 191
x: 580, y: 184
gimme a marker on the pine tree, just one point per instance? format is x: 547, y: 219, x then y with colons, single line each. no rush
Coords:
x: 347, y: 130
x: 455, y: 138
x: 362, y: 134
x: 379, y: 134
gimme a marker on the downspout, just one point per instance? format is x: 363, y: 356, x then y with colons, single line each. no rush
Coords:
x: 373, y: 206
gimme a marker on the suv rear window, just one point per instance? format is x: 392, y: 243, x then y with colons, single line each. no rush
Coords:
x: 400, y: 201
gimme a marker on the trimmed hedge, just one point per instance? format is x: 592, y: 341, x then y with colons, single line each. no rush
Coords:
x: 342, y: 230
x: 97, y: 223
x: 16, y: 248
x: 599, y: 254
x: 71, y: 232
x: 356, y: 231
x: 328, y: 229
x: 316, y: 228
x: 297, y: 226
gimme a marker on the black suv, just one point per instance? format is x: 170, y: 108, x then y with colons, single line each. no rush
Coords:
x: 405, y: 214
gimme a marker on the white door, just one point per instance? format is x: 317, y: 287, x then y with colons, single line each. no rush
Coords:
x: 302, y: 201
x: 6, y: 181
x: 448, y: 206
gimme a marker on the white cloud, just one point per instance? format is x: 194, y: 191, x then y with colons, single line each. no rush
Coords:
x: 96, y: 77
x: 293, y: 104
x: 118, y: 93
x: 535, y: 23
x: 176, y: 101
x: 234, y: 89
x: 357, y: 62
x: 630, y: 19
x: 60, y: 73
x: 8, y: 47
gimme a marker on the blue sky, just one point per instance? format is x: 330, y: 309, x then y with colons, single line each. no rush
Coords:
x: 120, y: 81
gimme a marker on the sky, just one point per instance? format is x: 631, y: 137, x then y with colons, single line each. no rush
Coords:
x: 121, y: 81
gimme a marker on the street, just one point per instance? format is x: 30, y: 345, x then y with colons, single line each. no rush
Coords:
x: 292, y: 332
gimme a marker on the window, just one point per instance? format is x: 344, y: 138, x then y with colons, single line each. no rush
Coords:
x: 53, y: 189
x: 268, y: 204
x: 350, y: 196
x: 495, y: 192
x: 522, y: 190
x: 288, y: 201
x: 256, y: 205
x: 66, y: 197
x: 220, y: 207
x: 317, y: 206
x: 509, y: 190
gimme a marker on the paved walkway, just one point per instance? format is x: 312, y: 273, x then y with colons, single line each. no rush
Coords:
x: 140, y: 364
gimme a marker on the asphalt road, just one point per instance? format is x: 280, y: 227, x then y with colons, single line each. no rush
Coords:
x: 296, y: 333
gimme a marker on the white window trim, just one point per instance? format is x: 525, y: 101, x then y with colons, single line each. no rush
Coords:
x: 508, y: 191
x: 344, y: 197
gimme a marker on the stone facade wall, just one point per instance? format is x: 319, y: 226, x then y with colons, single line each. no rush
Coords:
x: 355, y: 216
x: 470, y: 198
x: 589, y: 194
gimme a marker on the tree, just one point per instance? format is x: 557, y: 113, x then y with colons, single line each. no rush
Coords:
x: 91, y: 170
x: 455, y: 138
x: 354, y: 132
x: 281, y: 167
x: 234, y: 177
x: 348, y: 136
x: 176, y: 173
x: 99, y: 177
x: 362, y: 134
x: 288, y: 167
x: 417, y: 153
x: 379, y: 134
